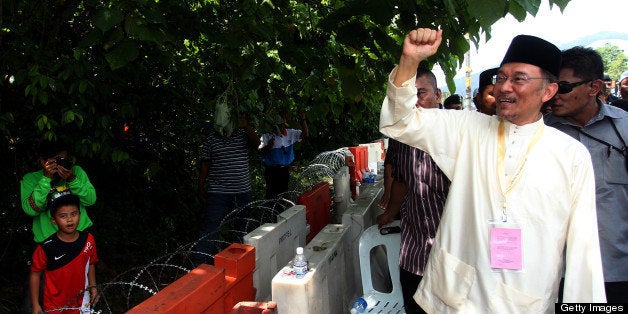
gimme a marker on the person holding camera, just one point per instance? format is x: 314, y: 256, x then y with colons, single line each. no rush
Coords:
x: 57, y: 172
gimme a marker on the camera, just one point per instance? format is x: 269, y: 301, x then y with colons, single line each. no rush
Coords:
x: 65, y: 163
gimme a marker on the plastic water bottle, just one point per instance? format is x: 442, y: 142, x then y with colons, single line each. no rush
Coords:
x: 299, y: 264
x: 359, y: 306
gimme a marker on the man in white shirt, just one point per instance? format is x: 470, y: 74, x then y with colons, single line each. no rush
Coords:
x: 521, y: 194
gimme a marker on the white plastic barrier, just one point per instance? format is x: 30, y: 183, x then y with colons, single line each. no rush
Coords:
x: 325, y: 288
x: 360, y: 215
x: 275, y: 245
x: 374, y: 155
x: 342, y: 193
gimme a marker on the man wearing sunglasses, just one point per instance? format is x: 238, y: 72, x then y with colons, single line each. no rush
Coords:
x: 520, y: 192
x: 603, y: 129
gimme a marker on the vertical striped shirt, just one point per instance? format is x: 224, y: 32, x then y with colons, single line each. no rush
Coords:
x: 229, y: 163
x: 422, y: 207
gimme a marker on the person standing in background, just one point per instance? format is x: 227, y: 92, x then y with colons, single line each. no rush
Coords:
x: 603, y: 130
x: 418, y: 193
x: 57, y: 171
x: 453, y: 102
x: 277, y: 151
x: 484, y: 100
x: 225, y: 166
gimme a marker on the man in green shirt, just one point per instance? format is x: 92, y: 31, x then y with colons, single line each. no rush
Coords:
x: 56, y: 172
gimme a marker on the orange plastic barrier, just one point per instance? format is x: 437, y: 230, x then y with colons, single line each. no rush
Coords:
x: 239, y: 262
x: 361, y: 156
x: 207, y: 288
x: 317, y: 205
x: 255, y: 307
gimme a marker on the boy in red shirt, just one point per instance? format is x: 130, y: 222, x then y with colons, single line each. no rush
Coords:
x: 67, y: 258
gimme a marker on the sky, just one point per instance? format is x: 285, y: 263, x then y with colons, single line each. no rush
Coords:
x: 579, y: 19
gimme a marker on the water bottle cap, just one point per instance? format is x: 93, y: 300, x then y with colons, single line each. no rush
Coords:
x: 299, y: 250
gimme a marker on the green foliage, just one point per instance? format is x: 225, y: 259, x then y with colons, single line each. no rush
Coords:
x: 130, y: 83
x: 615, y: 61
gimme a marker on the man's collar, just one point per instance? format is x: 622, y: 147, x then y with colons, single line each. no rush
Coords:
x: 603, y: 111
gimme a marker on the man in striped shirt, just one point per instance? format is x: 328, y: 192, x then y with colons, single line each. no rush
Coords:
x: 225, y: 161
x: 418, y: 193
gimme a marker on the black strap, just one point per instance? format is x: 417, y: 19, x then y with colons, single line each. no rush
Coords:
x: 622, y: 150
x: 617, y: 132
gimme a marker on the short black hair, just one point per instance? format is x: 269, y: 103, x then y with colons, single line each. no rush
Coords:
x: 422, y: 71
x: 586, y: 63
x: 69, y: 199
x: 453, y: 99
x: 47, y: 149
x: 486, y: 79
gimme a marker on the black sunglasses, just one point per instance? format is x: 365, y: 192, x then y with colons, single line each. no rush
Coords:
x: 566, y: 87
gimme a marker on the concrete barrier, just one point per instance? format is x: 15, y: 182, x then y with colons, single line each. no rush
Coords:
x: 275, y: 245
x: 360, y: 215
x: 324, y: 288
x: 253, y: 272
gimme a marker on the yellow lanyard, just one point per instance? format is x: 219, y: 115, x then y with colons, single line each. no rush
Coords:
x: 501, y: 168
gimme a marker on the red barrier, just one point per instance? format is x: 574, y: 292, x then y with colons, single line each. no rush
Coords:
x: 207, y: 288
x: 255, y: 307
x: 365, y: 157
x: 239, y: 262
x: 353, y: 178
x: 361, y: 156
x: 199, y: 291
x: 317, y: 205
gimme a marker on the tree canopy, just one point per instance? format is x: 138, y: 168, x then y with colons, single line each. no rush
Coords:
x: 615, y: 61
x: 132, y: 85
x: 82, y: 70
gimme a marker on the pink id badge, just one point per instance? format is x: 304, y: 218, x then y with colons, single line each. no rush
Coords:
x: 506, y: 247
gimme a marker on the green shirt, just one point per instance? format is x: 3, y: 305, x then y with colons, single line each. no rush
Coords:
x: 34, y: 192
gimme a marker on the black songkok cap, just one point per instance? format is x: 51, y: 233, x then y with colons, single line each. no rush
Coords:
x: 536, y: 51
x: 486, y: 78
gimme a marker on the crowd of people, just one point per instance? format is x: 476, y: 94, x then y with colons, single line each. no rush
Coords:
x: 510, y: 208
x: 535, y: 199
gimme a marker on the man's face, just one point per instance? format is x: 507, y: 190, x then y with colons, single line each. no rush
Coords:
x: 623, y: 88
x: 520, y: 101
x: 574, y: 103
x: 427, y: 96
x: 488, y: 101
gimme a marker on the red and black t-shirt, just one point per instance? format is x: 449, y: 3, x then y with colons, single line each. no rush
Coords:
x: 65, y: 266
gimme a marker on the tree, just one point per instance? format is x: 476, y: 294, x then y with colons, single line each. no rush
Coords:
x: 615, y: 61
x: 130, y: 84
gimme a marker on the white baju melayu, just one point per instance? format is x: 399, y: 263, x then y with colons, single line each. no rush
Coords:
x: 544, y: 189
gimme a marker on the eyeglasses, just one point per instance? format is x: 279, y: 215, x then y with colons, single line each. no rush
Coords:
x: 519, y: 79
x: 566, y: 87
